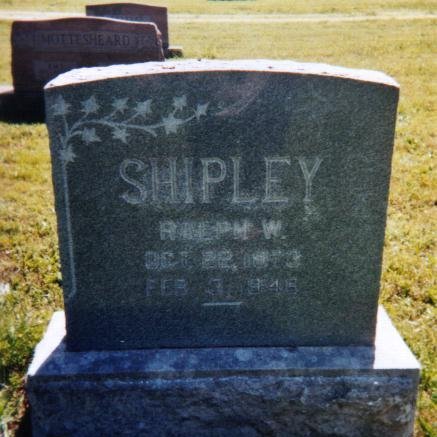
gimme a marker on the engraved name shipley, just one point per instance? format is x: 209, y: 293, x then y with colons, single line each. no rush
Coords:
x: 172, y: 180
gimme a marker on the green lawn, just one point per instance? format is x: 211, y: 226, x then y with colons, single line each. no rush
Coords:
x: 405, y: 49
x: 239, y: 6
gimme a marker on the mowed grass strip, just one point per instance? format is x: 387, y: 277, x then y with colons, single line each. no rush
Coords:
x: 406, y: 50
x: 240, y: 6
x: 5, y: 58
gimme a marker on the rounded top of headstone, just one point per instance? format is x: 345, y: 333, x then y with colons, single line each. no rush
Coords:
x: 81, y: 75
x: 77, y: 20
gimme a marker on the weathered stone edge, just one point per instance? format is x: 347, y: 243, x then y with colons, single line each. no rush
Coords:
x: 82, y: 75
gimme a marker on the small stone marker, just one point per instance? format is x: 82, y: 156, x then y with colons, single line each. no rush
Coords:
x: 42, y: 49
x: 221, y: 203
x: 134, y: 12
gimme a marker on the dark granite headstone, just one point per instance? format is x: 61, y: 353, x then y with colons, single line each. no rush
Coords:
x: 134, y: 12
x: 221, y: 203
x: 208, y: 204
x: 42, y: 49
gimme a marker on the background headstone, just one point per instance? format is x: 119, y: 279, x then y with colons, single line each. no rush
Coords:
x: 134, y: 12
x: 42, y: 49
x: 214, y: 203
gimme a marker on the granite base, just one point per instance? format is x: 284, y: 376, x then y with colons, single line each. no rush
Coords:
x: 21, y: 107
x: 305, y: 391
x: 174, y: 52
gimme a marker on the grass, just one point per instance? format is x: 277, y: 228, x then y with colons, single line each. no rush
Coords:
x: 240, y: 6
x: 404, y: 49
x: 5, y: 59
x: 28, y: 255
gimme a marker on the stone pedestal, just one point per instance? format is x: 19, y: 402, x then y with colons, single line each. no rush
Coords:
x: 305, y: 391
x: 21, y: 107
x: 174, y: 52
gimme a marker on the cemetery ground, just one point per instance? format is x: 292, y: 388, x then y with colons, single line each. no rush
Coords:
x: 232, y: 7
x: 29, y: 267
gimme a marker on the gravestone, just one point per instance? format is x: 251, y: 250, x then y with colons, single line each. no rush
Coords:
x: 221, y: 226
x: 134, y: 12
x: 138, y: 12
x: 240, y: 205
x: 42, y: 49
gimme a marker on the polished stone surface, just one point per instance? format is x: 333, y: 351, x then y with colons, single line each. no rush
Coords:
x: 221, y: 203
x: 305, y: 391
x: 42, y: 49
